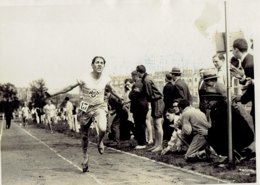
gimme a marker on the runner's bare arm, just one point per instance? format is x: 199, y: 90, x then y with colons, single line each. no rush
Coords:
x: 66, y: 89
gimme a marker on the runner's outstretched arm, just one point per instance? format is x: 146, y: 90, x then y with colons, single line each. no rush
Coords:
x: 66, y: 89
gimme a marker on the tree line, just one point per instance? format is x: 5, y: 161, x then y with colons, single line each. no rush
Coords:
x: 38, y: 89
x: 9, y: 91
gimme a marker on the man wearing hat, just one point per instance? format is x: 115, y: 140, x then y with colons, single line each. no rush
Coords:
x: 181, y: 90
x: 211, y: 80
x: 217, y: 135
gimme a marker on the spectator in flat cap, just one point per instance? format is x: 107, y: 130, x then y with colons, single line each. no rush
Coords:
x: 210, y: 78
x: 181, y: 89
x: 217, y: 135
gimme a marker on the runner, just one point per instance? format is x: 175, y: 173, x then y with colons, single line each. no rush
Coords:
x: 92, y: 106
x: 50, y: 114
x: 25, y: 115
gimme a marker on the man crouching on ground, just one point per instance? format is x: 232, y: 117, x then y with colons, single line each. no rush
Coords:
x: 193, y: 120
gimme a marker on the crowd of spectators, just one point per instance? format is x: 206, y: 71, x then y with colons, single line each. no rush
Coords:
x: 202, y: 131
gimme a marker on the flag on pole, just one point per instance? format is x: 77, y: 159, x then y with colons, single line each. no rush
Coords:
x: 211, y: 14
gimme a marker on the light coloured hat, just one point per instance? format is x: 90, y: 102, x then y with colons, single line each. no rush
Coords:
x: 209, y: 74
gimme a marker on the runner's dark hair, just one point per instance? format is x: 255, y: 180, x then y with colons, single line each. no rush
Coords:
x: 94, y: 59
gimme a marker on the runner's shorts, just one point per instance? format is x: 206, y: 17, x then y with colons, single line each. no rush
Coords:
x: 92, y: 112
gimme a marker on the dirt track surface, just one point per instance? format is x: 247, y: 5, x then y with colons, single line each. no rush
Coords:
x: 34, y: 156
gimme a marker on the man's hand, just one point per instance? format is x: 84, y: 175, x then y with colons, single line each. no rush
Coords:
x: 203, y: 132
x: 249, y: 81
x: 237, y: 72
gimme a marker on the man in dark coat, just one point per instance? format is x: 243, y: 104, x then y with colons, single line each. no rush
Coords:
x: 246, y: 78
x: 181, y: 90
x: 168, y: 91
x: 240, y: 51
x: 120, y: 127
x: 8, y: 109
x: 155, y: 97
x: 217, y: 135
x: 139, y: 108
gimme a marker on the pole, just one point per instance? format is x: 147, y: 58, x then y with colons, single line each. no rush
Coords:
x: 229, y: 113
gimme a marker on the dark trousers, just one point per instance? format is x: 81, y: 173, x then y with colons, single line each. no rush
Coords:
x: 167, y: 130
x: 8, y: 122
x: 140, y: 126
x: 115, y: 129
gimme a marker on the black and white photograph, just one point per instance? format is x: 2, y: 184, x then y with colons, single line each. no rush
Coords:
x: 129, y: 92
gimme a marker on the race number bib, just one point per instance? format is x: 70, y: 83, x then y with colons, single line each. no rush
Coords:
x: 83, y: 106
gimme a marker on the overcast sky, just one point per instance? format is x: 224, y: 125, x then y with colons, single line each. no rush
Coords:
x: 57, y: 39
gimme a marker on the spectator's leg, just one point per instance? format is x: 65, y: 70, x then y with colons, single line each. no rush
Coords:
x: 157, y: 114
x: 149, y: 130
x: 115, y: 129
x: 159, y: 134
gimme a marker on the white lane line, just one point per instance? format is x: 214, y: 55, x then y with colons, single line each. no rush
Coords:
x: 1, y: 132
x: 65, y: 159
x: 172, y: 166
